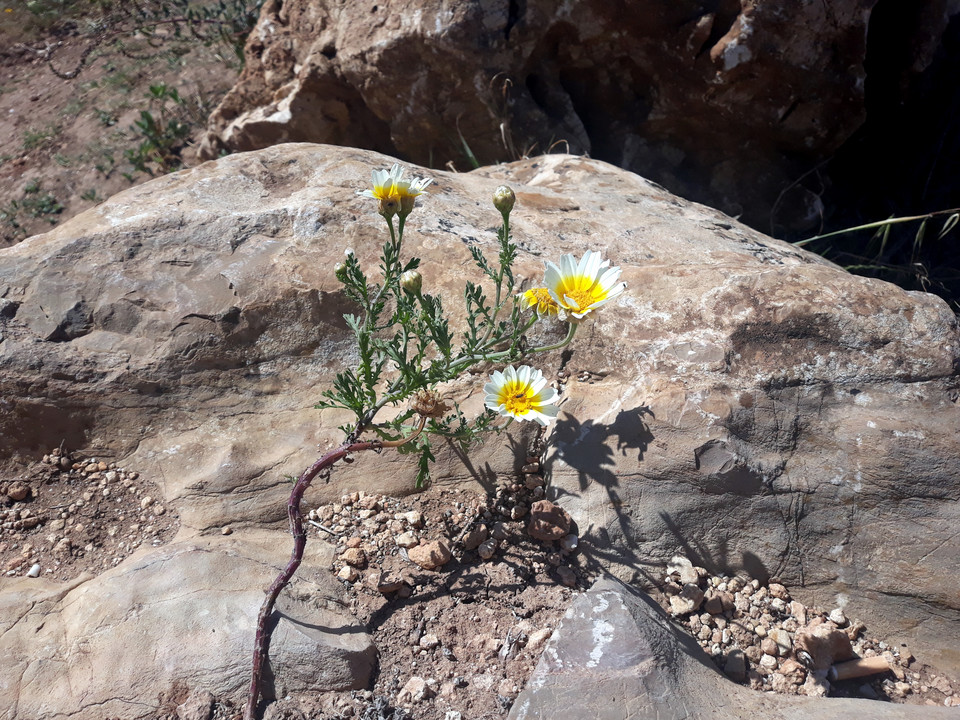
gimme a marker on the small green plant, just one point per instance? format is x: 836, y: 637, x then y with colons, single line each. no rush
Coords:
x: 106, y: 162
x: 73, y: 108
x: 406, y: 349
x: 39, y: 204
x: 34, y: 138
x: 34, y: 203
x: 162, y: 135
x: 36, y: 17
x: 107, y: 118
x: 91, y: 195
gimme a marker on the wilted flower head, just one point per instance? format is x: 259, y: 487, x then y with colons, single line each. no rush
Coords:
x: 521, y: 393
x: 578, y: 288
x: 540, y: 299
x: 395, y: 194
x: 429, y: 404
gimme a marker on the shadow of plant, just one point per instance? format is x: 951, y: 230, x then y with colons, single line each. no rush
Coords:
x: 593, y: 451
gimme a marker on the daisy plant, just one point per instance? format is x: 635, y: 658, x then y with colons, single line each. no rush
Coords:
x: 406, y: 348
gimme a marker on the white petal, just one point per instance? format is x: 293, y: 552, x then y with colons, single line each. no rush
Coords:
x: 608, y: 278
x: 571, y: 303
x: 545, y: 396
x: 549, y: 411
x: 551, y: 275
x: 590, y: 265
x: 614, y: 292
x: 568, y: 266
x: 523, y: 375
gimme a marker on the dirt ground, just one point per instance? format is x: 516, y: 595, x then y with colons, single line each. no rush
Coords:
x: 68, y: 144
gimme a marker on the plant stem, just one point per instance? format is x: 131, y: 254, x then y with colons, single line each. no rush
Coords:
x: 880, y: 223
x: 563, y: 343
x: 262, y: 638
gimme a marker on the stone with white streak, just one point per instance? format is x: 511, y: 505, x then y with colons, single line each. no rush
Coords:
x: 617, y: 656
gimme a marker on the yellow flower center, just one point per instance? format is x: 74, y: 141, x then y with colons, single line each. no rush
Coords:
x: 541, y: 300
x: 541, y: 296
x: 583, y: 292
x: 516, y: 397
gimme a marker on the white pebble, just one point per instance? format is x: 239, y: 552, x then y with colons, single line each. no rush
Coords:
x: 34, y: 571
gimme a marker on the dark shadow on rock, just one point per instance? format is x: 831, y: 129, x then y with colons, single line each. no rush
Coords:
x: 520, y: 439
x: 485, y: 476
x: 590, y: 450
x: 716, y: 558
x: 584, y: 447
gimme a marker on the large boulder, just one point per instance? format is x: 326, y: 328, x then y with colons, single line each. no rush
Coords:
x: 745, y: 403
x: 663, y: 88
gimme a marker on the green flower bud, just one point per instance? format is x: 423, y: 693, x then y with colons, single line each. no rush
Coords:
x: 411, y: 281
x: 504, y: 199
x: 340, y: 270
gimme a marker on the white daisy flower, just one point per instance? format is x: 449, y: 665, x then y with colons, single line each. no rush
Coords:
x: 581, y: 287
x: 393, y: 192
x: 521, y: 393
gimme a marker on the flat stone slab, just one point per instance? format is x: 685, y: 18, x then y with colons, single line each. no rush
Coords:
x: 617, y: 656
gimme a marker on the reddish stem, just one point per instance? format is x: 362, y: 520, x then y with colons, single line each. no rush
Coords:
x: 262, y: 641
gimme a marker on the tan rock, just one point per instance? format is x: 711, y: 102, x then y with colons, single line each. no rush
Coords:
x: 131, y: 638
x: 407, y: 540
x: 415, y: 690
x: 738, y: 376
x: 548, y: 521
x: 17, y: 491
x: 321, y: 71
x: 475, y: 537
x: 687, y: 601
x: 430, y: 555
x: 348, y: 574
x: 354, y: 557
x: 824, y: 642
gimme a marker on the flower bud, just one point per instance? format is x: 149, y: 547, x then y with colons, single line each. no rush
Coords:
x: 504, y: 199
x: 340, y: 270
x: 411, y: 281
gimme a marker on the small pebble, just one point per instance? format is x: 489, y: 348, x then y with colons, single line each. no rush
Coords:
x: 487, y: 549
